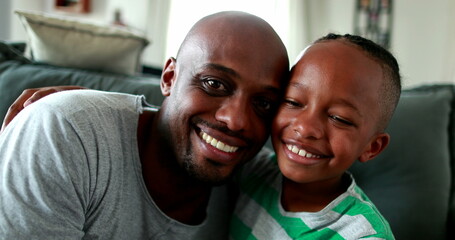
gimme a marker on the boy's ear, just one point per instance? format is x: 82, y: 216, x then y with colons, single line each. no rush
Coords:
x: 168, y: 77
x: 376, y: 146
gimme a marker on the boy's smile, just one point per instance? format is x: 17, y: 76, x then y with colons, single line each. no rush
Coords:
x: 302, y: 156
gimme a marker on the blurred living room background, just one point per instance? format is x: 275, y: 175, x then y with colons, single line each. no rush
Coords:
x: 420, y: 33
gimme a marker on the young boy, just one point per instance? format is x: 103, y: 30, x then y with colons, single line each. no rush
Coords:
x: 342, y: 93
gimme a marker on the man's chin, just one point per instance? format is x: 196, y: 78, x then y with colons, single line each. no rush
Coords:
x: 215, y: 181
x: 212, y: 173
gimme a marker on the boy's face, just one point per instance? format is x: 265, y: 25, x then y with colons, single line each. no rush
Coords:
x: 330, y: 114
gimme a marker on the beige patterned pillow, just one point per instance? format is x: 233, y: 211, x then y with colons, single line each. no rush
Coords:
x: 70, y: 43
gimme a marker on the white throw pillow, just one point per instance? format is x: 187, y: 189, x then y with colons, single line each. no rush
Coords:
x: 70, y: 43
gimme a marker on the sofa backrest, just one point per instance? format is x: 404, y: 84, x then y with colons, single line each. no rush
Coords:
x: 18, y: 73
x: 411, y: 181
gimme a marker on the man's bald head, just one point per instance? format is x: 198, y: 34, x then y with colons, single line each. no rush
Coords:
x: 234, y: 32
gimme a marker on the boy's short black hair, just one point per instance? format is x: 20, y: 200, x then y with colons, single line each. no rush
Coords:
x: 391, y: 88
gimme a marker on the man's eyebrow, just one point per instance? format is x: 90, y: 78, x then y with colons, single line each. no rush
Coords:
x: 233, y: 73
x: 274, y: 90
x: 221, y: 68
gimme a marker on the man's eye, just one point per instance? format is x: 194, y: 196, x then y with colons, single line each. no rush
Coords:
x: 265, y: 106
x: 214, y: 84
x: 214, y: 87
x: 340, y: 120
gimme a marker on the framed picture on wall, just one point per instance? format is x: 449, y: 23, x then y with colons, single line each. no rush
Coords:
x: 75, y: 6
x: 373, y: 20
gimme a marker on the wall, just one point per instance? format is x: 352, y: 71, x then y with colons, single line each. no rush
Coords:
x: 423, y: 34
x: 5, y: 19
x: 422, y: 38
x: 449, y: 63
x: 17, y: 32
x: 275, y: 12
x: 157, y: 22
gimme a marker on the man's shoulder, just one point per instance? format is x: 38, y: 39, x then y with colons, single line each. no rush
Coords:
x: 262, y: 168
x: 265, y: 159
x: 86, y: 96
x: 88, y: 101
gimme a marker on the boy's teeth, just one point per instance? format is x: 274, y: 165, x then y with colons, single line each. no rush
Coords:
x: 301, y: 152
x: 216, y: 143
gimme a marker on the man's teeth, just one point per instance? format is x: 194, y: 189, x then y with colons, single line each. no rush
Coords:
x: 217, y: 144
x: 301, y: 152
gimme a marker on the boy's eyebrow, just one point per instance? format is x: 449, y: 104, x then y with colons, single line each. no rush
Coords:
x: 348, y: 104
x: 339, y: 101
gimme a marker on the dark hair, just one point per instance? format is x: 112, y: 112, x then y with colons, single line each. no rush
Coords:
x: 391, y: 87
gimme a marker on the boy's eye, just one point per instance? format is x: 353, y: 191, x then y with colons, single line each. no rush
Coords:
x: 340, y: 120
x: 291, y: 103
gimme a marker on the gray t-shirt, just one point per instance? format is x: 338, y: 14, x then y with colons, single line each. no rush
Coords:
x: 70, y: 169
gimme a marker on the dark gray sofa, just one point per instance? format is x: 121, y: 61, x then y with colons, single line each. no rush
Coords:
x: 411, y: 182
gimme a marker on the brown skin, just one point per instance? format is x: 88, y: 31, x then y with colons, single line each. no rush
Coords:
x: 229, y: 70
x: 332, y: 111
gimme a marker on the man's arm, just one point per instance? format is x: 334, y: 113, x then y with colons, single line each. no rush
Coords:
x: 29, y: 96
x: 43, y: 178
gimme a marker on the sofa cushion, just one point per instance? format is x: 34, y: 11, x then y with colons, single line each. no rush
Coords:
x: 18, y: 73
x: 69, y: 43
x: 410, y: 182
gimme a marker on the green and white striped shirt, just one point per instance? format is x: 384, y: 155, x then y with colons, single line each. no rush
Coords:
x: 260, y: 215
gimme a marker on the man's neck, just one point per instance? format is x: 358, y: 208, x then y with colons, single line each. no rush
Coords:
x: 174, y: 192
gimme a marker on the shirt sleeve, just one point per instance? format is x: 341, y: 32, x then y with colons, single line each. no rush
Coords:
x: 44, y: 182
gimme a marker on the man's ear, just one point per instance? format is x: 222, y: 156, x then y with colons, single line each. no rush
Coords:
x: 168, y: 77
x: 376, y: 146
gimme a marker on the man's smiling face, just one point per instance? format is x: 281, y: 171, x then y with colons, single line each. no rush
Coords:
x: 222, y: 94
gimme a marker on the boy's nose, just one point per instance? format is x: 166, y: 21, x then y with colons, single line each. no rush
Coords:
x: 308, y: 125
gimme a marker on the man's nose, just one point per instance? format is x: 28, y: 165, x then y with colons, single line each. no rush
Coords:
x: 236, y: 113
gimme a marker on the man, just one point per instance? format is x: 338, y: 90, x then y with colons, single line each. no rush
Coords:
x: 91, y: 165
